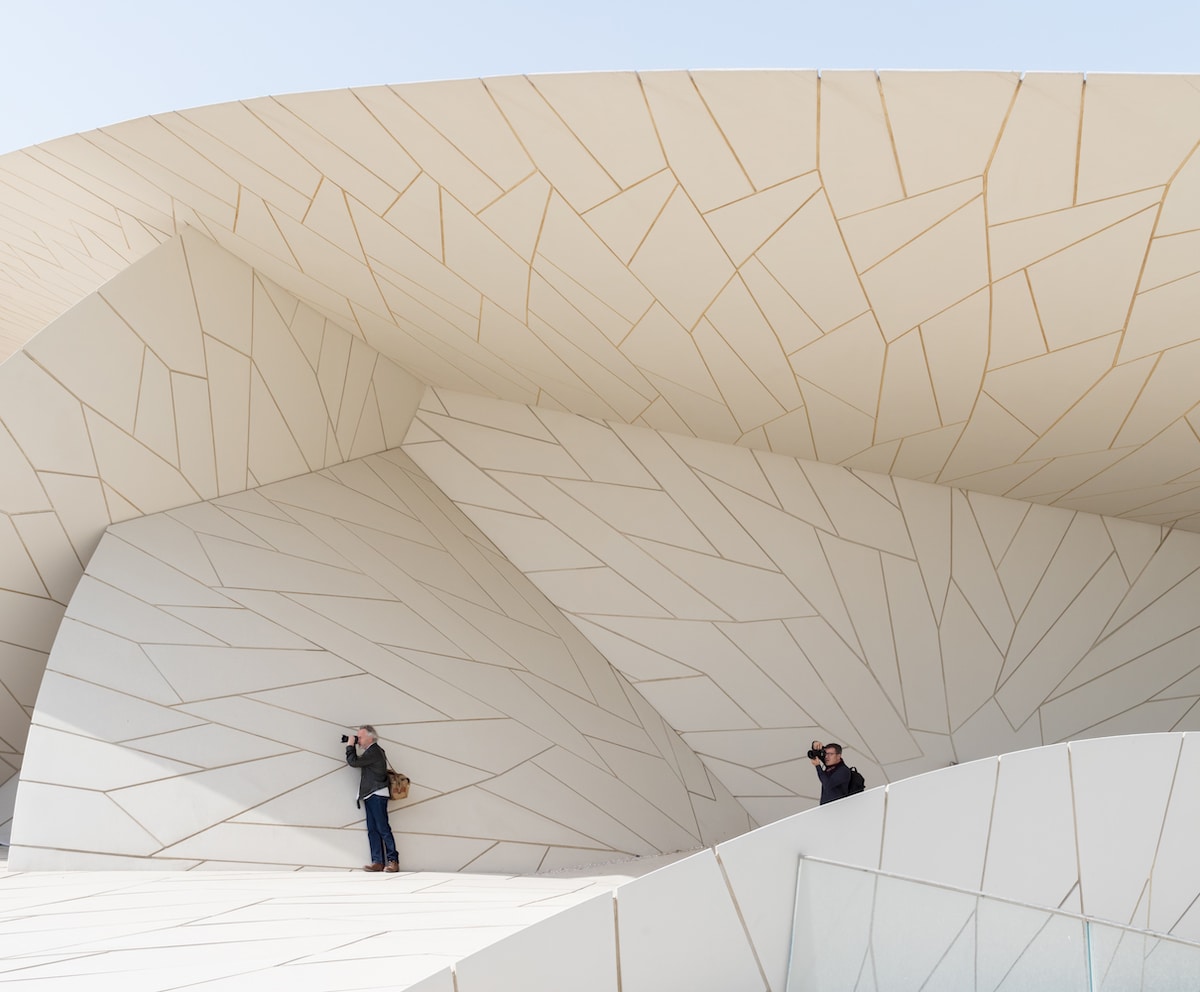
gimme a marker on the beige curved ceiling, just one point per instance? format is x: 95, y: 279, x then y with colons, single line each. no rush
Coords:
x: 978, y: 279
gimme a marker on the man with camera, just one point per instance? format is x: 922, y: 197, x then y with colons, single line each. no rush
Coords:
x: 373, y: 795
x: 834, y: 776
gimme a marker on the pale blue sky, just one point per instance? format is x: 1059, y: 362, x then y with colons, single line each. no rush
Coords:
x: 72, y: 65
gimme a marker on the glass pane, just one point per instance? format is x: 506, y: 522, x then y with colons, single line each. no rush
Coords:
x: 830, y: 927
x: 919, y: 930
x: 1128, y: 959
x: 856, y: 930
x: 1052, y: 958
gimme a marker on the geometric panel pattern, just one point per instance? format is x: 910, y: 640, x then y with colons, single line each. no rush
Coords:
x: 186, y: 377
x: 981, y: 279
x: 212, y: 654
x: 759, y: 601
x: 697, y: 344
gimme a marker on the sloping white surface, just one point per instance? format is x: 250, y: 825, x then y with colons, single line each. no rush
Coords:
x: 311, y: 931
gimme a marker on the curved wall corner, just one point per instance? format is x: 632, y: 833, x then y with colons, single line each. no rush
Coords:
x: 759, y: 601
x: 983, y: 278
x: 188, y: 376
x: 212, y: 654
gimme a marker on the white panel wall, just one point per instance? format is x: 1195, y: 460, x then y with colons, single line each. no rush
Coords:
x: 759, y: 601
x: 188, y: 376
x: 212, y: 655
x: 978, y: 286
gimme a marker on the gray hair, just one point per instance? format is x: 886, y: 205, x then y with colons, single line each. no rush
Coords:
x: 370, y: 730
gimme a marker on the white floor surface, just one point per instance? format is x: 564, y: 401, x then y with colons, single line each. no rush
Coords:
x: 307, y: 931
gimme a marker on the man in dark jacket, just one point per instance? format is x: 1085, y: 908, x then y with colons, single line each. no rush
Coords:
x: 373, y: 796
x: 834, y: 776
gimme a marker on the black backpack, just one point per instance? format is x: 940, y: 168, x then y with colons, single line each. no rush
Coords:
x: 857, y: 782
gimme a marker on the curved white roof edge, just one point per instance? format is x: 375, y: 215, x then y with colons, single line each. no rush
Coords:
x: 710, y: 226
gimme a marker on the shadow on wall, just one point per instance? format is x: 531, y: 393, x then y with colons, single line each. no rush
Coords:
x: 190, y: 376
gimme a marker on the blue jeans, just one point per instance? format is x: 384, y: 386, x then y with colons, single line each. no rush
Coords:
x: 379, y: 831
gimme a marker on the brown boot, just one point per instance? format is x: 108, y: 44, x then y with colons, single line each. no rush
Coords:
x: 392, y: 866
x: 374, y: 866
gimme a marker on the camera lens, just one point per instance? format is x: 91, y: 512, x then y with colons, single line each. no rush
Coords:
x: 345, y: 739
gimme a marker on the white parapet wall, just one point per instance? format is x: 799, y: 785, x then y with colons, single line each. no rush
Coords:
x: 1103, y: 828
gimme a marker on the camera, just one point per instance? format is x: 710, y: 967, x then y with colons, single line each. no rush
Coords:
x: 815, y: 754
x: 347, y: 740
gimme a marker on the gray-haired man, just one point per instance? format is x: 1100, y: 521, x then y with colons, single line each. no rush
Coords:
x: 373, y: 796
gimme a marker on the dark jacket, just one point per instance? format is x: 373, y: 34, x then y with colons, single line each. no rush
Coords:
x: 373, y: 766
x: 835, y: 782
